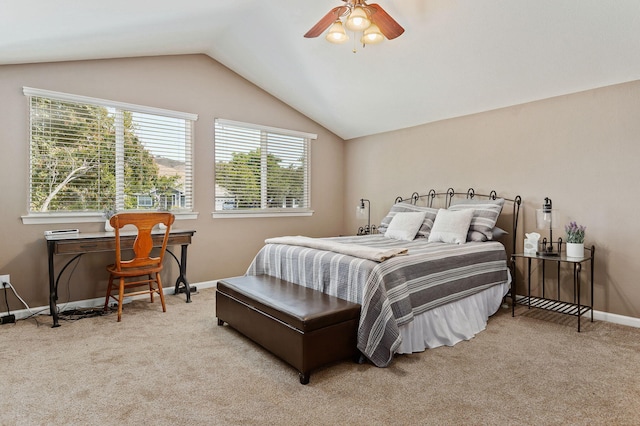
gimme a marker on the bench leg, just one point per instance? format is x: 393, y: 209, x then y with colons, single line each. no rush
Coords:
x: 220, y: 322
x: 304, y: 378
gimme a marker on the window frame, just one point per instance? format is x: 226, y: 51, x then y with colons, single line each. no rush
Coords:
x: 51, y: 217
x: 269, y: 211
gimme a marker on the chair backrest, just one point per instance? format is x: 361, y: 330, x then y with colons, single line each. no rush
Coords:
x: 144, y: 222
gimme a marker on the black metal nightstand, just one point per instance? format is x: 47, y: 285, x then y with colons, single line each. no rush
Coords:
x: 556, y: 305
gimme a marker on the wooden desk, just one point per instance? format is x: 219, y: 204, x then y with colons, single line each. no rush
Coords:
x: 82, y: 243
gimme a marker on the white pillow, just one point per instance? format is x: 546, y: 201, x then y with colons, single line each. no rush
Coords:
x: 429, y: 217
x: 405, y: 225
x: 485, y: 215
x: 451, y: 226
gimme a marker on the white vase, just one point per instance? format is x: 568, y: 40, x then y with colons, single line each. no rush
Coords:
x: 107, y: 226
x: 575, y: 250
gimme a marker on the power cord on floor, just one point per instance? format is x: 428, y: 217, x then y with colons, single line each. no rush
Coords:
x: 76, y: 314
x: 81, y: 313
x: 11, y: 318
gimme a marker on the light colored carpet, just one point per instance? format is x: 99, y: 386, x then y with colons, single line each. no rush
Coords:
x: 180, y: 368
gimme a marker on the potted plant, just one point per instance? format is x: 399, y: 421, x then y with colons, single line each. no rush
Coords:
x: 107, y: 215
x: 575, y: 239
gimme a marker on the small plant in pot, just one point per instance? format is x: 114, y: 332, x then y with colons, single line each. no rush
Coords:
x: 108, y: 212
x: 575, y: 239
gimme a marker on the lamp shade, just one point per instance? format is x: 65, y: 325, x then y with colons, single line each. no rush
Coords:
x: 547, y: 217
x: 360, y: 214
x: 372, y: 35
x: 336, y: 33
x: 358, y: 19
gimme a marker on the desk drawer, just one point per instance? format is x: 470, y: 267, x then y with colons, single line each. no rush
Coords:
x: 74, y: 247
x: 175, y: 240
x: 109, y: 244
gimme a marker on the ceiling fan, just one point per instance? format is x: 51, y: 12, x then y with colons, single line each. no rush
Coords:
x: 370, y: 19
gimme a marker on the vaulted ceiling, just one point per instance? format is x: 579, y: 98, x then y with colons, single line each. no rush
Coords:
x: 456, y: 57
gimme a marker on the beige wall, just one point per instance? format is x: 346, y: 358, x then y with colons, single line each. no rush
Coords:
x: 581, y: 150
x: 195, y: 84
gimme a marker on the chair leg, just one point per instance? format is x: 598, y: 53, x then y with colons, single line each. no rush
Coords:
x: 151, y: 291
x: 106, y: 299
x: 161, y: 292
x: 120, y: 298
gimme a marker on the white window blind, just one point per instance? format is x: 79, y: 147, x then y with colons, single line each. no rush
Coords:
x: 260, y: 168
x: 90, y: 154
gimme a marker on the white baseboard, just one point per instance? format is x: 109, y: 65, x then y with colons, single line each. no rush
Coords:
x: 206, y: 284
x: 616, y: 319
x: 93, y: 303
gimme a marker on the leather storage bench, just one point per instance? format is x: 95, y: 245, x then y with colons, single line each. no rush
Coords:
x: 304, y: 327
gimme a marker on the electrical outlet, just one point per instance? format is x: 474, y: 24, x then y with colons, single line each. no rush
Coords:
x: 7, y: 319
x: 5, y: 279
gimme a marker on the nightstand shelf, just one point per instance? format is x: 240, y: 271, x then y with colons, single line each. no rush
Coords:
x: 566, y: 308
x: 575, y: 308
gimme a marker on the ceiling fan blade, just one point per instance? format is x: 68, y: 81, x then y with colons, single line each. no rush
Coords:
x: 326, y: 21
x: 388, y: 26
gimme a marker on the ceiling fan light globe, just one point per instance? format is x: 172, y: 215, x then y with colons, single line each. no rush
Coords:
x: 372, y: 35
x: 358, y: 20
x: 336, y: 33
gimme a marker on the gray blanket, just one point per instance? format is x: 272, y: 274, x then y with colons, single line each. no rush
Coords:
x: 393, y: 291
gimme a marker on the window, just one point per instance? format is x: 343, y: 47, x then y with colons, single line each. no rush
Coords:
x: 261, y: 169
x: 93, y: 155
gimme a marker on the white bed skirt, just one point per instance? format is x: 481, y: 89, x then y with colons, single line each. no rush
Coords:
x: 453, y: 322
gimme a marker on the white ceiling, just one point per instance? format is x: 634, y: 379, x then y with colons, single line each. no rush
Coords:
x: 456, y: 57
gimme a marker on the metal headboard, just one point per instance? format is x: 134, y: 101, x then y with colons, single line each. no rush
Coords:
x: 450, y: 193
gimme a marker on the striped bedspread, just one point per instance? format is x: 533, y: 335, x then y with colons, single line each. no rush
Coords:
x: 393, y: 291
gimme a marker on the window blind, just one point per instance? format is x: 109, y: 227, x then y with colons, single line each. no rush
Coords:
x: 94, y: 155
x: 260, y: 168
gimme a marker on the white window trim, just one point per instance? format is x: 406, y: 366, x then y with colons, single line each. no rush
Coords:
x: 270, y: 212
x: 35, y: 218
x: 289, y: 132
x: 30, y: 91
x: 89, y: 217
x: 262, y: 213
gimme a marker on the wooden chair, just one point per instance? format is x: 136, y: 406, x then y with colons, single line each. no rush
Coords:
x: 142, y: 268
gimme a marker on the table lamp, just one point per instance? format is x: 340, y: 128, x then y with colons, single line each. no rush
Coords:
x: 547, y: 218
x: 360, y: 212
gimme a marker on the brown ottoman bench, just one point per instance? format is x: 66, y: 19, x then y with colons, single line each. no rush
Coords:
x: 304, y: 327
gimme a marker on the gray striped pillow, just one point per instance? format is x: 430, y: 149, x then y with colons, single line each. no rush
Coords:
x: 485, y: 215
x: 427, y: 224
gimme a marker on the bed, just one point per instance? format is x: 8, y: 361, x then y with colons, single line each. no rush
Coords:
x: 423, y: 284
